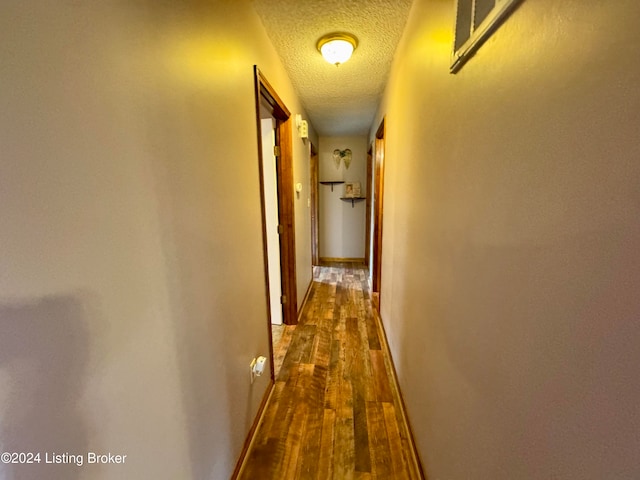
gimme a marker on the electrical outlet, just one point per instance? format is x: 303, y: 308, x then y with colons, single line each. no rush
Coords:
x: 251, y: 366
x: 257, y: 367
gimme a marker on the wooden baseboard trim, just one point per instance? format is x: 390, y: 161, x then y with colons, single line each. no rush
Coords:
x: 375, y: 301
x: 341, y: 260
x: 398, y: 393
x: 304, y: 300
x: 248, y: 443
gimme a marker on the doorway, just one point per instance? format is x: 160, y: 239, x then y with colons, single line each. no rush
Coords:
x: 276, y: 191
x: 369, y: 203
x: 271, y: 212
x: 378, y: 196
x: 315, y: 209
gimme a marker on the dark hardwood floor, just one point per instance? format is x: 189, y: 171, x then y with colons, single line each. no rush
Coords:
x: 334, y: 412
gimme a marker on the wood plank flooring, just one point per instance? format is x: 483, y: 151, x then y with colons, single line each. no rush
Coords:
x: 334, y: 412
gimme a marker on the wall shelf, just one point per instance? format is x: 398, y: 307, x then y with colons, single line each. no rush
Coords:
x: 332, y: 183
x: 353, y: 199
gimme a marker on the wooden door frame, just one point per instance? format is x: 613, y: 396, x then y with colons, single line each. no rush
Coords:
x: 315, y: 209
x: 284, y: 171
x: 369, y: 195
x: 378, y: 210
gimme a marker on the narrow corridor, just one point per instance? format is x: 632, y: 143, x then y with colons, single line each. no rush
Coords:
x: 334, y: 411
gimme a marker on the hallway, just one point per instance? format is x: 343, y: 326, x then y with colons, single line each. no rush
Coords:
x: 334, y: 412
x: 133, y: 288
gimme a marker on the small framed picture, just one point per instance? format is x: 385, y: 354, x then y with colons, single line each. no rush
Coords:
x: 352, y: 190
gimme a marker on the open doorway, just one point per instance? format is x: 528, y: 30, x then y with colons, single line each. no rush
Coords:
x: 369, y: 203
x: 271, y: 212
x: 276, y: 189
x: 378, y: 194
x: 315, y: 209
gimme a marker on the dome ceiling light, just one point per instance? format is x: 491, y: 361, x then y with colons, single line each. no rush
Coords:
x: 336, y: 48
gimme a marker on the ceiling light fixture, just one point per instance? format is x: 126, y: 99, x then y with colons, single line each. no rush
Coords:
x: 336, y: 48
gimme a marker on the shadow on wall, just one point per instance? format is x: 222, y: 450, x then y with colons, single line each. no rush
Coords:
x: 43, y: 353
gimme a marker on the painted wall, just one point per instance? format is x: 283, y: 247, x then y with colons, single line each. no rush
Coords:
x: 131, y: 268
x: 341, y: 225
x: 510, y: 254
x: 302, y: 200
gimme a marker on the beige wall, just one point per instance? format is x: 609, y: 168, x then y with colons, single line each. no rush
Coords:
x: 131, y: 273
x: 302, y: 206
x: 510, y: 259
x: 341, y: 224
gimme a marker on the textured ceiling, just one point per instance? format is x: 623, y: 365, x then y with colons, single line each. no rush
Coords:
x: 339, y: 100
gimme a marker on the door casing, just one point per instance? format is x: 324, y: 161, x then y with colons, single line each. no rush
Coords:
x: 378, y: 198
x: 315, y: 209
x: 266, y: 95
